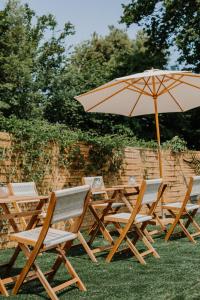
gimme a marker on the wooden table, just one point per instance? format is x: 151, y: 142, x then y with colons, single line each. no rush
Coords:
x: 7, y: 214
x: 120, y: 191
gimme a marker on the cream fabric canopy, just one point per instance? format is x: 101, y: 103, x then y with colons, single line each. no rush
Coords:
x: 150, y: 92
x: 176, y: 91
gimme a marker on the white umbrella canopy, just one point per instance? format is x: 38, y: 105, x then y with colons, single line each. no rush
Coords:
x: 150, y: 92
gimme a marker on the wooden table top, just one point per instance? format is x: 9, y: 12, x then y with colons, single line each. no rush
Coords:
x: 116, y: 188
x: 126, y: 186
x: 10, y: 199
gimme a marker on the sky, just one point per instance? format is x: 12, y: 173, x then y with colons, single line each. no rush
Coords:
x: 86, y: 15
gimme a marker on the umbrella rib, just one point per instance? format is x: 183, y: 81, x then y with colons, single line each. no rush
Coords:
x: 174, y: 99
x: 192, y: 75
x: 160, y: 84
x: 132, y: 110
x: 137, y: 88
x: 105, y: 87
x: 181, y: 81
x: 170, y: 86
x: 146, y: 83
x: 107, y: 98
x: 99, y: 89
x: 138, y: 91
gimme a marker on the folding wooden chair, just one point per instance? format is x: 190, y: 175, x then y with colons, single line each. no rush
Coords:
x: 105, y: 203
x: 136, y: 222
x: 180, y: 210
x: 22, y: 189
x: 64, y: 205
x: 29, y: 189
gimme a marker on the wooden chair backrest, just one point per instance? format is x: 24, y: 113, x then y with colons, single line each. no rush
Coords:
x: 150, y: 193
x: 151, y: 190
x: 193, y: 191
x: 63, y: 205
x: 23, y: 189
x: 4, y: 192
x: 131, y: 180
x: 69, y: 203
x: 95, y: 182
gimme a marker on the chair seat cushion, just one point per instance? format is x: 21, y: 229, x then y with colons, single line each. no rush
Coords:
x: 114, y: 205
x: 124, y: 218
x: 53, y: 237
x: 177, y: 205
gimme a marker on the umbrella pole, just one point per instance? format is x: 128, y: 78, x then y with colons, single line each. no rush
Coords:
x: 159, y: 148
x: 158, y: 136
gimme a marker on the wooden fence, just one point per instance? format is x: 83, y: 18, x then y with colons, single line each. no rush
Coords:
x: 141, y: 163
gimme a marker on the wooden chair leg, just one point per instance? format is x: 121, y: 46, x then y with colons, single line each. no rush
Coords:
x: 192, y: 221
x: 71, y: 270
x: 84, y: 243
x: 163, y: 227
x: 3, y: 290
x: 50, y: 291
x: 149, y: 237
x: 31, y: 256
x: 131, y: 245
x: 58, y: 260
x: 135, y: 251
x: 86, y: 247
x: 117, y: 243
x: 172, y: 227
x: 190, y: 237
x: 100, y: 227
x: 95, y: 226
x: 13, y: 258
x: 147, y: 243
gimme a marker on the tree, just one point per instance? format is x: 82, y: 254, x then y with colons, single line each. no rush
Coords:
x: 169, y: 23
x: 28, y: 63
x: 93, y: 63
x: 172, y: 24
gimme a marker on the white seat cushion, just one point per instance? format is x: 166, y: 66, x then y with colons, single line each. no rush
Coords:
x: 124, y: 217
x: 189, y: 206
x: 142, y: 218
x: 53, y: 237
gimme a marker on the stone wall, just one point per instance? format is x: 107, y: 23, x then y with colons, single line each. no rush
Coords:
x: 142, y: 163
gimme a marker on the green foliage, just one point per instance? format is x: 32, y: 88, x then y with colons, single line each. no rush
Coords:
x: 105, y: 154
x: 28, y: 63
x: 176, y: 145
x: 93, y: 63
x: 169, y: 23
x: 194, y: 162
x: 35, y: 144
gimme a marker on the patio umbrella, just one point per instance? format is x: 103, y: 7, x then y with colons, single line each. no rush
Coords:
x: 150, y: 92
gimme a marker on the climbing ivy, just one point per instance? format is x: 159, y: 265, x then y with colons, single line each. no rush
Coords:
x: 35, y: 144
x: 176, y: 145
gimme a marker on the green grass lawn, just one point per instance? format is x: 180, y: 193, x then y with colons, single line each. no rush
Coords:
x: 176, y: 275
